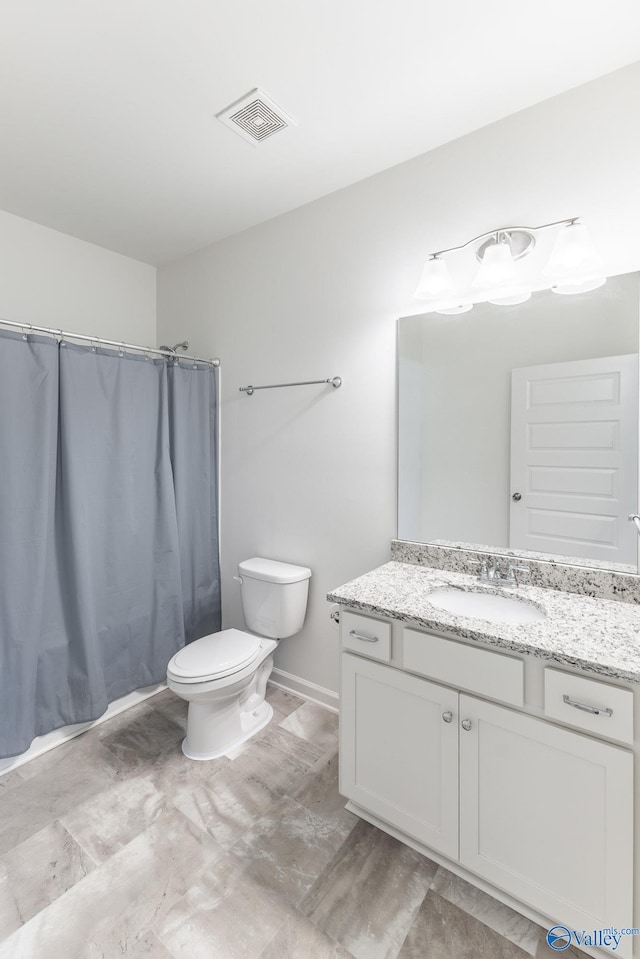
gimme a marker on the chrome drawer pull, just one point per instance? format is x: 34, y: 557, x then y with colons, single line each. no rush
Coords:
x: 365, y: 639
x: 595, y: 710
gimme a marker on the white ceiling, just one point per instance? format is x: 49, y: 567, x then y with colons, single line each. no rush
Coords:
x: 107, y: 107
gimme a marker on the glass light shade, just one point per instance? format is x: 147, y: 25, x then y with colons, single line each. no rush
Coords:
x: 582, y: 284
x: 452, y: 310
x: 497, y: 267
x: 435, y: 280
x: 511, y: 298
x: 573, y: 250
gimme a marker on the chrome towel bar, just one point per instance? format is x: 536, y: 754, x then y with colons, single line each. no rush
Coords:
x: 335, y: 381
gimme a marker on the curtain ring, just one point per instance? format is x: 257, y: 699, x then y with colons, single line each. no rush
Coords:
x: 25, y: 335
x: 94, y: 348
x: 121, y: 350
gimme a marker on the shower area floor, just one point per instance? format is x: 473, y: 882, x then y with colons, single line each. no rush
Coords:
x: 115, y: 845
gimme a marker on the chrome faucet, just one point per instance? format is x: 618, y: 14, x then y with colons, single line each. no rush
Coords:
x: 492, y: 571
x: 487, y: 569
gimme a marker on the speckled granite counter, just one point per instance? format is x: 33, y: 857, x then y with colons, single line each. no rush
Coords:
x: 598, y: 635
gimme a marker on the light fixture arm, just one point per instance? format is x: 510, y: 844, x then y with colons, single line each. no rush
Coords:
x: 505, y: 229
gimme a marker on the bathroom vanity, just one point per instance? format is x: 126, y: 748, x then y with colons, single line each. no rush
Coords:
x: 505, y: 750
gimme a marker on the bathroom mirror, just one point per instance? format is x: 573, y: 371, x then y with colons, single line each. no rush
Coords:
x: 518, y: 426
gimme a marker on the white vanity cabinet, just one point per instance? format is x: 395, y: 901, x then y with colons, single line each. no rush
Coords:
x: 399, y: 758
x: 546, y: 814
x: 539, y: 812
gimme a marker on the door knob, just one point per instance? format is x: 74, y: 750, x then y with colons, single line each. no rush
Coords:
x: 448, y: 716
x: 466, y: 724
x: 516, y: 497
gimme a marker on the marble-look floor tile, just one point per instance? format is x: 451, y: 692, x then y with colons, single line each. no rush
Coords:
x: 226, y: 807
x: 277, y: 770
x: 10, y: 918
x: 108, y: 821
x: 148, y: 947
x: 109, y: 911
x: 120, y: 721
x: 144, y: 739
x: 318, y: 791
x: 41, y: 869
x: 298, y: 938
x: 375, y: 869
x: 314, y: 723
x: 282, y: 701
x: 288, y: 848
x: 172, y: 706
x: 8, y: 780
x: 224, y: 915
x: 443, y: 931
x: 294, y: 746
x: 217, y: 860
x: 276, y: 735
x: 82, y: 770
x: 503, y: 920
x: 171, y: 769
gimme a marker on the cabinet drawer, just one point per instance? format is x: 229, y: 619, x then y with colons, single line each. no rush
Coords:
x: 467, y: 667
x: 589, y: 704
x: 365, y: 635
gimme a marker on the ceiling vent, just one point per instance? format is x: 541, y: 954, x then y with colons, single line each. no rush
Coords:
x: 256, y: 117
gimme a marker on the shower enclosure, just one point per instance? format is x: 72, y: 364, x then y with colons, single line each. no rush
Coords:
x: 108, y: 526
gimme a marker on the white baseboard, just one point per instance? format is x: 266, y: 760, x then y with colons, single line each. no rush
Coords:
x: 305, y: 689
x: 42, y: 744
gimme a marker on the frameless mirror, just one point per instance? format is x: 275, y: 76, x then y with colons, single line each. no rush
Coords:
x: 518, y: 426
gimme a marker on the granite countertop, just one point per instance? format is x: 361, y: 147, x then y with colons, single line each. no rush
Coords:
x: 597, y: 635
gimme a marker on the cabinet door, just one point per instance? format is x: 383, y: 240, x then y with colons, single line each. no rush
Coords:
x: 398, y: 756
x: 547, y: 815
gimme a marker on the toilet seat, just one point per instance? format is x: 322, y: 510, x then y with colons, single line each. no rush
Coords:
x: 214, y: 656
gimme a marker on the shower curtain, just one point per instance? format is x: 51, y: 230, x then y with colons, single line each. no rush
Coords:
x: 108, y: 527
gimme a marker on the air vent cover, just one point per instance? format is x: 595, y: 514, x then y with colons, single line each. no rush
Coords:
x: 256, y: 117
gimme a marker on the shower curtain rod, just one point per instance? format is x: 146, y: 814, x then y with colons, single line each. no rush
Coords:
x: 65, y: 334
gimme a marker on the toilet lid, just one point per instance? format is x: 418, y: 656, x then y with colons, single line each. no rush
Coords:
x: 215, y: 655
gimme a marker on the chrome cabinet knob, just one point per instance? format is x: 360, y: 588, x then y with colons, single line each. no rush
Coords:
x: 448, y: 716
x: 466, y: 724
x: 516, y: 497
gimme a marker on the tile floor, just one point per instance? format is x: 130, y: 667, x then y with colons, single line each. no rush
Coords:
x: 115, y: 845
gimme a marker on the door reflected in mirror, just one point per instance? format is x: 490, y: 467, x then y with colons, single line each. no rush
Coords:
x: 518, y: 426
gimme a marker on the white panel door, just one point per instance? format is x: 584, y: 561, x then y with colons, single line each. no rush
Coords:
x: 574, y: 458
x: 398, y: 755
x: 547, y: 815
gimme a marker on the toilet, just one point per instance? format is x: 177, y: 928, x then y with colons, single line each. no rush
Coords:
x: 224, y: 676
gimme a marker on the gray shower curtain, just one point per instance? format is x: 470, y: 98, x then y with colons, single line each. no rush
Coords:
x: 108, y: 527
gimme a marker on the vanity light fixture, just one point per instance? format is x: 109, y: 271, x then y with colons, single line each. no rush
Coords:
x: 574, y: 263
x: 573, y: 267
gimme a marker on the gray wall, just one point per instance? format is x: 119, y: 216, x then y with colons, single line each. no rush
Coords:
x: 308, y: 475
x: 51, y: 279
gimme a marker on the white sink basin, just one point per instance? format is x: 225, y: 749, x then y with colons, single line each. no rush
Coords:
x: 498, y: 609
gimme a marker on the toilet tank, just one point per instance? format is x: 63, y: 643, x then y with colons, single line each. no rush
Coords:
x: 274, y: 596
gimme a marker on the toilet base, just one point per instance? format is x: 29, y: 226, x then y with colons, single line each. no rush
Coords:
x: 251, y: 723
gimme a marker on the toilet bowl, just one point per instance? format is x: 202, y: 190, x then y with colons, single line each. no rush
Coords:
x: 223, y: 676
